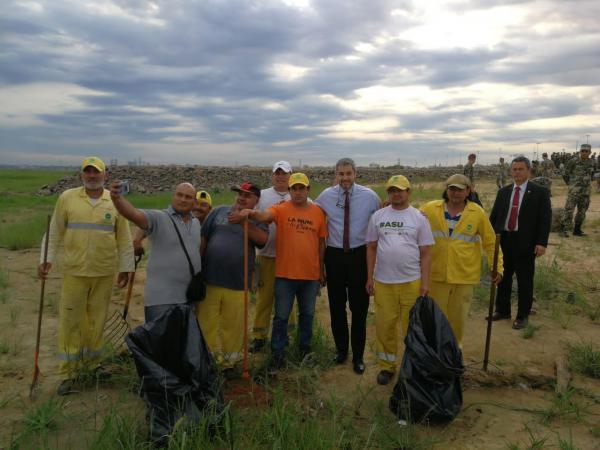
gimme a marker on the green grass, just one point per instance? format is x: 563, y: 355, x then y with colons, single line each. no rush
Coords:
x: 4, y: 347
x: 530, y: 331
x: 28, y: 181
x: 584, y: 358
x: 39, y: 421
x: 564, y: 407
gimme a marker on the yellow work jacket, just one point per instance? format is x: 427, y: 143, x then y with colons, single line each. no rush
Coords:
x: 96, y: 238
x: 456, y: 259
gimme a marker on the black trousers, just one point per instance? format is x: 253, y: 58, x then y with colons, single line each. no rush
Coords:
x: 523, y: 264
x: 346, y: 280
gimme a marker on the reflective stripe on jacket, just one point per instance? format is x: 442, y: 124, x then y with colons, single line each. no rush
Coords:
x: 456, y: 259
x: 96, y: 238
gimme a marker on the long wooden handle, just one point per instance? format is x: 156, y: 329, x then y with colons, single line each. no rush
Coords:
x: 36, y: 357
x: 245, y: 373
x: 488, y: 335
x: 130, y: 288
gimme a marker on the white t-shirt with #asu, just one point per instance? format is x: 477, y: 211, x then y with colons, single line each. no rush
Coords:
x: 399, y: 234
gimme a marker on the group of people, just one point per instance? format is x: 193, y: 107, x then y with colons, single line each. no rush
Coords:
x: 346, y: 239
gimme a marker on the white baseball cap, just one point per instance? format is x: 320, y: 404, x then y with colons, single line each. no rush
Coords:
x: 283, y: 165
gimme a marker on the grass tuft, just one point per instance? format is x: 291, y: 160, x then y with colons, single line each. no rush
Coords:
x: 584, y: 359
x: 530, y: 331
x: 564, y: 407
x: 38, y: 422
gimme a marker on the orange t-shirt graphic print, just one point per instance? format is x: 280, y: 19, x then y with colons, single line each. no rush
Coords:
x: 298, y: 233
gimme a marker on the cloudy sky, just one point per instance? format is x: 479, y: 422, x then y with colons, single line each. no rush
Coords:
x: 251, y: 82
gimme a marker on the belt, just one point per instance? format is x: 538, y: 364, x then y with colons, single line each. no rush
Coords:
x: 350, y: 250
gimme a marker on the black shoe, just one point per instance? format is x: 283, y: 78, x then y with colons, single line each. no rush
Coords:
x: 230, y: 374
x: 498, y: 316
x: 256, y: 345
x: 358, y: 367
x: 66, y: 387
x: 340, y: 358
x: 577, y: 231
x: 384, y: 377
x: 277, y: 363
x: 519, y: 324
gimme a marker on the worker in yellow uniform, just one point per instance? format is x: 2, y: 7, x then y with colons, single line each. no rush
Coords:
x: 460, y: 229
x: 97, y: 243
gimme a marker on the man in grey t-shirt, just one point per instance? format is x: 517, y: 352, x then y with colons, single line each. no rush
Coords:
x: 168, y: 274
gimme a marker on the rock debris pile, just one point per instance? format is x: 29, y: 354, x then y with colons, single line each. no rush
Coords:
x: 153, y: 179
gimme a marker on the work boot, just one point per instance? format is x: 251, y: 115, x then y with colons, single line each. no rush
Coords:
x: 563, y: 233
x: 384, y: 377
x: 578, y: 232
x: 256, y: 345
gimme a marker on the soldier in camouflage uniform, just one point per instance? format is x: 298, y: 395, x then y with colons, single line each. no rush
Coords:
x: 502, y: 174
x: 469, y: 169
x: 547, y: 166
x: 469, y: 172
x: 578, y: 175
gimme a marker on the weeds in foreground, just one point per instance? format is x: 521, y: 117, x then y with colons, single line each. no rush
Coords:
x: 3, y: 279
x: 530, y: 331
x: 14, y: 313
x: 565, y: 407
x: 562, y: 314
x: 38, y: 422
x: 534, y: 443
x: 547, y: 280
x: 584, y: 359
x: 4, y: 347
x: 120, y: 431
x: 565, y: 444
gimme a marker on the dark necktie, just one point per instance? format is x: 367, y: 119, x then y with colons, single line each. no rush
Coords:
x: 514, y: 210
x: 347, y: 221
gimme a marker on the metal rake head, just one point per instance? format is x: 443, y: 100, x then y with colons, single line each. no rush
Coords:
x: 115, y: 329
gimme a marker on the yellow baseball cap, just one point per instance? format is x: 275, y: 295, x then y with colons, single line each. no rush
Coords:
x: 204, y: 197
x: 95, y: 162
x: 298, y: 178
x: 398, y: 181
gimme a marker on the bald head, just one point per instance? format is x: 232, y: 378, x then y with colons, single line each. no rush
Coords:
x: 184, y: 198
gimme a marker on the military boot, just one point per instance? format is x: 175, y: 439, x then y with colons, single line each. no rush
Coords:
x: 563, y: 232
x: 577, y: 231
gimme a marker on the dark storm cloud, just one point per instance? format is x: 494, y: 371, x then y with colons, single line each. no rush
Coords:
x: 205, y: 71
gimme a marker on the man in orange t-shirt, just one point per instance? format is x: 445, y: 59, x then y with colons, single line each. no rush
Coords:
x: 301, y: 233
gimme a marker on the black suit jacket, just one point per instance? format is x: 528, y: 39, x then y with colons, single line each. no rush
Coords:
x: 535, y: 215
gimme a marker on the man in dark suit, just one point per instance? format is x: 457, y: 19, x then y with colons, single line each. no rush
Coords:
x: 522, y: 215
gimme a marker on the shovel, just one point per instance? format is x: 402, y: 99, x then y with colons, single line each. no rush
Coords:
x: 116, y: 326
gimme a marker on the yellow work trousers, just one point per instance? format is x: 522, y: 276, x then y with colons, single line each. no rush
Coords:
x: 82, y: 313
x: 392, y: 305
x: 222, y: 313
x: 263, y: 311
x: 455, y: 301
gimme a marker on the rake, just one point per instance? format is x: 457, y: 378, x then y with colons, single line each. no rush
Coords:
x: 116, y: 327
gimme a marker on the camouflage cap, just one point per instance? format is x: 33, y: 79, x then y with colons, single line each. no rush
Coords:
x: 586, y: 147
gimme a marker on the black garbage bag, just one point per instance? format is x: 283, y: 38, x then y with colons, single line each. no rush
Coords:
x: 428, y: 387
x: 179, y: 375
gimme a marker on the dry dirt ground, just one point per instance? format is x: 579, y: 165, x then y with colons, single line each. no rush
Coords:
x: 499, y: 406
